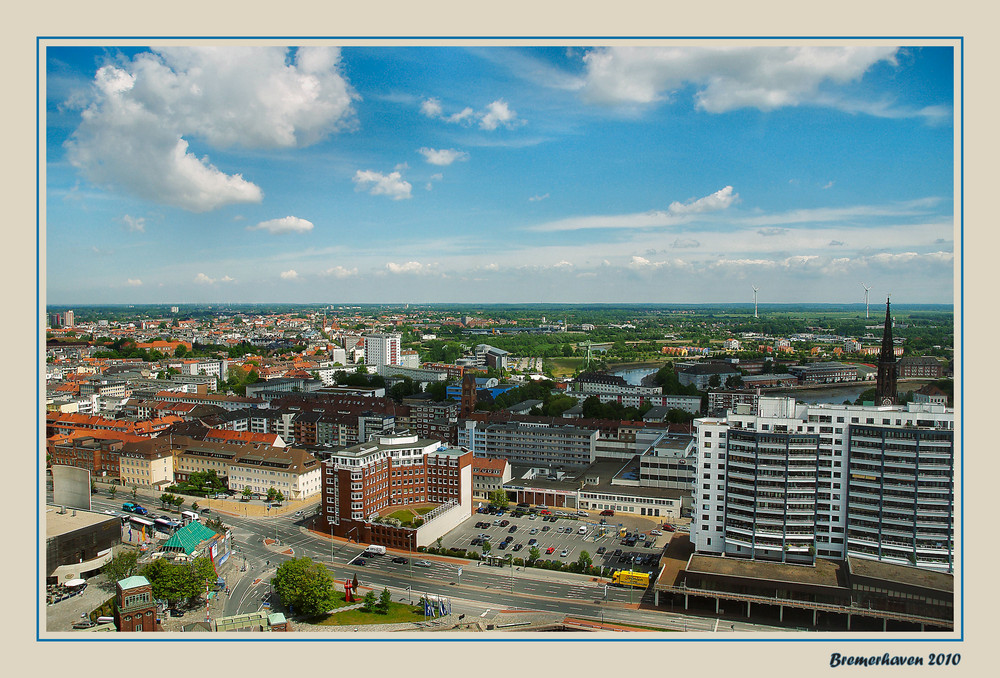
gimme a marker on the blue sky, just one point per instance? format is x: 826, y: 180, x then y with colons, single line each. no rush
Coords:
x: 625, y: 173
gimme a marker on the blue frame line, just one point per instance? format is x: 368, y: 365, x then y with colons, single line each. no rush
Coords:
x: 38, y: 359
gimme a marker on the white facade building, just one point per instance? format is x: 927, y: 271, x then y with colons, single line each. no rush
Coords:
x: 790, y: 481
x: 382, y: 349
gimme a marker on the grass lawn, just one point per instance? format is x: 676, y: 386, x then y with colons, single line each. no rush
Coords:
x: 402, y: 515
x: 424, y: 509
x: 398, y: 612
x: 566, y: 366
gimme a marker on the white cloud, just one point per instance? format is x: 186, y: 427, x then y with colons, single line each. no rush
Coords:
x: 341, y: 272
x: 410, y: 267
x: 227, y: 279
x: 498, y: 113
x: 562, y: 264
x: 442, y: 157
x: 431, y: 108
x: 284, y: 225
x: 134, y: 282
x: 538, y: 198
x: 727, y: 78
x: 203, y: 279
x: 827, y: 185
x: 719, y: 200
x: 134, y: 224
x: 676, y: 213
x: 134, y: 134
x: 392, y: 185
x: 289, y: 275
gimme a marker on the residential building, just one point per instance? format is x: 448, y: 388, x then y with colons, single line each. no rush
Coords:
x: 529, y: 444
x: 488, y: 476
x: 382, y: 349
x: 149, y: 463
x: 789, y: 481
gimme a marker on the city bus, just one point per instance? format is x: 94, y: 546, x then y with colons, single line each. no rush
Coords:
x: 140, y: 523
x: 165, y: 525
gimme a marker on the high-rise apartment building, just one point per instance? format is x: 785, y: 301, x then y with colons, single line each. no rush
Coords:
x: 790, y: 481
x: 382, y: 349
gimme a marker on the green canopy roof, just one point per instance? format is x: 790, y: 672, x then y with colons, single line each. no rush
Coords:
x: 188, y: 537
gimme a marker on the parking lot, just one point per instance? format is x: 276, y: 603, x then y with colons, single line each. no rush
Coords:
x: 558, y: 536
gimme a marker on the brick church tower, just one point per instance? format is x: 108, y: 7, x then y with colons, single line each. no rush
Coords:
x: 885, y: 381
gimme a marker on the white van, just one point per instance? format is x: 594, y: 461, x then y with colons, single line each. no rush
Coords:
x: 190, y: 516
x: 582, y: 530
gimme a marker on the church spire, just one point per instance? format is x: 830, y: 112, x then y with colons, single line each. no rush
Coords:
x: 885, y: 382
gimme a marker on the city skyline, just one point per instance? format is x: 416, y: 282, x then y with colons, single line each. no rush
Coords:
x: 492, y: 174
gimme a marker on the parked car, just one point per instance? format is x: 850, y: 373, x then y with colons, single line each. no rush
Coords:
x: 502, y: 545
x: 533, y: 530
x: 564, y: 553
x: 360, y: 561
x: 532, y: 542
x: 518, y: 546
x: 546, y: 512
x: 550, y: 550
x: 669, y: 528
x: 513, y: 529
x: 607, y: 512
x: 504, y: 523
x: 401, y: 560
x: 647, y: 544
x: 84, y: 624
x: 532, y: 516
x: 617, y: 552
x: 545, y: 528
x: 601, y: 551
x: 655, y: 533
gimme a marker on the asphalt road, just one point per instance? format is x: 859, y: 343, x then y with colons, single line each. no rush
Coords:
x: 478, y: 589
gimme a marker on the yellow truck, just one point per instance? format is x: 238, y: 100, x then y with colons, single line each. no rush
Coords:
x: 629, y: 578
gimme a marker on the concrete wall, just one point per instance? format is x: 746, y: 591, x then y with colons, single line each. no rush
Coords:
x: 445, y: 522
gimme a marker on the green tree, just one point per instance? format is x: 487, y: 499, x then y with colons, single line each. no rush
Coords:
x: 122, y: 565
x: 369, y: 602
x: 714, y: 381
x: 486, y: 548
x: 499, y: 498
x: 135, y: 492
x: 166, y: 498
x: 304, y: 584
x: 178, y: 502
x: 271, y: 494
x: 112, y: 491
x: 279, y: 497
x: 383, y: 601
x: 194, y: 506
x: 247, y: 493
x: 585, y: 561
x: 179, y: 581
x: 180, y: 351
x: 534, y: 553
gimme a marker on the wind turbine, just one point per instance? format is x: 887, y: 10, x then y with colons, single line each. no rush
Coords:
x: 754, y: 301
x: 867, y: 287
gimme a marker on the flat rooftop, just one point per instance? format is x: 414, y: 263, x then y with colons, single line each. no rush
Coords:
x: 60, y: 523
x: 823, y: 573
x: 901, y: 574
